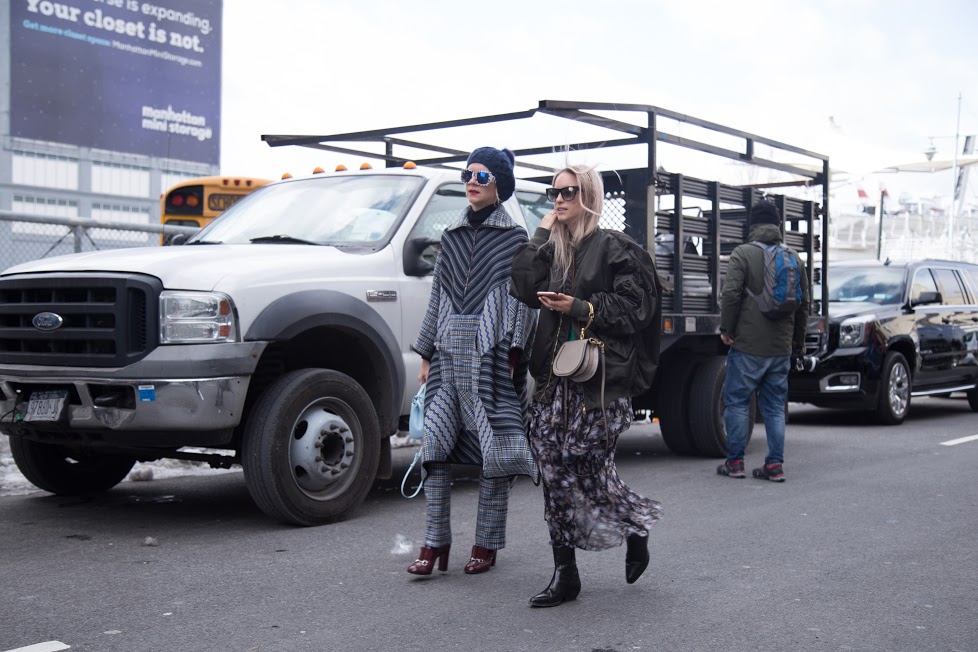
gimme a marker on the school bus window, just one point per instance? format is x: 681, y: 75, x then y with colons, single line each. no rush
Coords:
x: 203, y: 199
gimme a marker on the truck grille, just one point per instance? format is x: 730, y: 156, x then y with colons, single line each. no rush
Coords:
x: 78, y: 320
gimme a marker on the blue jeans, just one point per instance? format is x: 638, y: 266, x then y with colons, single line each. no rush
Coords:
x: 768, y: 376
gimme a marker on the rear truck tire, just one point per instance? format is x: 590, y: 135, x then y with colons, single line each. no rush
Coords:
x: 672, y: 406
x: 973, y: 398
x: 311, y: 447
x: 67, y: 471
x: 706, y: 423
x: 893, y: 402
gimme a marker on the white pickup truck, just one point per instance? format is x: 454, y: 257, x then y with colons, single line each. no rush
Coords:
x: 279, y: 337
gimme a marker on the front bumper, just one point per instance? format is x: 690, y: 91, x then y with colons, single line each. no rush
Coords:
x: 193, y: 388
x: 846, y: 378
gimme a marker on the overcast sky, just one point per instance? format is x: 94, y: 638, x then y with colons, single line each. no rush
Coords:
x: 867, y: 82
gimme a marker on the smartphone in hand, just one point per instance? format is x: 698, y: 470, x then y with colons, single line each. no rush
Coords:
x: 549, y: 295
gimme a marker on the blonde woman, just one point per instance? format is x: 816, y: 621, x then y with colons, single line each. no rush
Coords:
x: 580, y: 275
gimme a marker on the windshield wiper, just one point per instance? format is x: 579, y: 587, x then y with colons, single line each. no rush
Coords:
x: 203, y: 242
x: 283, y: 239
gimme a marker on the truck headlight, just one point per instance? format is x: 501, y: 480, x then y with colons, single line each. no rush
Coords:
x: 855, y: 331
x: 196, y: 317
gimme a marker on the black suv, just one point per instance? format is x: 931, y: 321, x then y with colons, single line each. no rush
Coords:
x: 895, y: 331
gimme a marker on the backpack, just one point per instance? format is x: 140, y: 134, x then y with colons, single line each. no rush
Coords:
x: 781, y: 294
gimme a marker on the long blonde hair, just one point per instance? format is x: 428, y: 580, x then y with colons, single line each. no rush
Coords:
x: 565, y: 239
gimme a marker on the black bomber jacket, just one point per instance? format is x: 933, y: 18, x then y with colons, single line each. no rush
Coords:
x: 618, y: 277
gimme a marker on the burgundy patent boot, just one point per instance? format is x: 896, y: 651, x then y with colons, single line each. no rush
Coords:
x: 482, y: 560
x: 425, y: 562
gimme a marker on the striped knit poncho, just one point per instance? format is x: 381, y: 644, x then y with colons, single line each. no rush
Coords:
x: 475, y: 412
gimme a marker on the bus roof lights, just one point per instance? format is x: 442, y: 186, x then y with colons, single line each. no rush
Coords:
x: 366, y: 166
x: 318, y: 170
x: 410, y: 165
x: 341, y: 168
x: 286, y: 176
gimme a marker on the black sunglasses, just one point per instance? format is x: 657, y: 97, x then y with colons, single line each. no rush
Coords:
x: 568, y: 193
x: 482, y: 178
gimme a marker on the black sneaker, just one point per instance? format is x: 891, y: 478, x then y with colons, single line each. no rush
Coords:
x: 733, y: 469
x: 772, y: 472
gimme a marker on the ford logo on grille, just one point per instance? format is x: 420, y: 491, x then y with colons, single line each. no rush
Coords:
x: 47, y: 321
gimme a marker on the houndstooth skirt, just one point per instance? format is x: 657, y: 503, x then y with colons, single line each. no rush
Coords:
x: 586, y: 504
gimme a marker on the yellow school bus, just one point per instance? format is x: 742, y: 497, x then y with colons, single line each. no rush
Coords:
x: 196, y: 202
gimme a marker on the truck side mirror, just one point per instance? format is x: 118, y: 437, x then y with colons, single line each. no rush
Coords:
x: 420, y: 255
x: 175, y: 240
x: 925, y: 297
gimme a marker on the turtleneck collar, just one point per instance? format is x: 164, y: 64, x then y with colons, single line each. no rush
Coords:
x: 477, y: 217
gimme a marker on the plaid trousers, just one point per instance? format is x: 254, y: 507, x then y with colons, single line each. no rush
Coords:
x: 490, y: 522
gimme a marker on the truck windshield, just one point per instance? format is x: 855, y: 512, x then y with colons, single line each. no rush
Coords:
x: 338, y: 211
x: 882, y: 285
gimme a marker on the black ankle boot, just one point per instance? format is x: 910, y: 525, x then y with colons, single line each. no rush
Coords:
x: 565, y: 584
x: 636, y: 557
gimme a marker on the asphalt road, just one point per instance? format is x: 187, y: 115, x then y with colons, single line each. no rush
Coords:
x: 870, y: 545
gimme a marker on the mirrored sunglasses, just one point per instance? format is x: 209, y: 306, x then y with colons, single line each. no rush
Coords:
x: 482, y: 178
x: 567, y: 193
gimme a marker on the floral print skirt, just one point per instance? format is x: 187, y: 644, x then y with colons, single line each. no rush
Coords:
x: 586, y: 504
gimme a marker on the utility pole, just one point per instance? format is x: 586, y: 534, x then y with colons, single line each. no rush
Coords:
x: 879, y: 235
x: 954, y: 182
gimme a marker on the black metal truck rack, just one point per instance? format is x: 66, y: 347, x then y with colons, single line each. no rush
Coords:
x: 691, y: 243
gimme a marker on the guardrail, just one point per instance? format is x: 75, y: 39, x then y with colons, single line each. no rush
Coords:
x: 25, y: 237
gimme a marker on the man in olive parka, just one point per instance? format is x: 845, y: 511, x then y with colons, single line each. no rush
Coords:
x: 760, y: 348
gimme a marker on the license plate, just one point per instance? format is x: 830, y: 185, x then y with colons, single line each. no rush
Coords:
x: 46, y: 406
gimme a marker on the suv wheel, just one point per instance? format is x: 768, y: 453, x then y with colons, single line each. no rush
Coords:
x: 311, y: 447
x: 894, y: 397
x: 66, y: 471
x: 973, y: 398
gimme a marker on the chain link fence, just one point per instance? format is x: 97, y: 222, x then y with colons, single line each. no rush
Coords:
x: 24, y: 238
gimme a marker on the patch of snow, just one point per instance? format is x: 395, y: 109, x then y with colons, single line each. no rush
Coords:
x: 13, y: 483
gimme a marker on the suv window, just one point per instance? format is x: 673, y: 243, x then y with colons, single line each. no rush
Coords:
x: 923, y: 281
x: 951, y: 291
x: 973, y: 274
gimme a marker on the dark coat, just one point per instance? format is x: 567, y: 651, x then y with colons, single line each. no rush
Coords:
x: 618, y: 277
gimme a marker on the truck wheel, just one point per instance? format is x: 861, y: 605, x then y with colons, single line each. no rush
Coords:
x: 894, y: 397
x: 973, y: 398
x: 66, y: 471
x: 672, y: 405
x: 706, y: 408
x: 311, y: 447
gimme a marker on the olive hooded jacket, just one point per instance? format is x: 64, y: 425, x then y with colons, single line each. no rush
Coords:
x: 741, y: 318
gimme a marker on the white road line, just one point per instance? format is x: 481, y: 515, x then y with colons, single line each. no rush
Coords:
x: 962, y: 440
x: 47, y: 646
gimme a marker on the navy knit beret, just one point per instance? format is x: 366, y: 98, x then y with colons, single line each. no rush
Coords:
x: 500, y: 163
x: 764, y: 212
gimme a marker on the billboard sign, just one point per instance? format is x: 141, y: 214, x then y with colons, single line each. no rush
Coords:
x: 126, y: 75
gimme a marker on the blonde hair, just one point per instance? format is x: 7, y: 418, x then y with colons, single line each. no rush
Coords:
x: 566, y: 238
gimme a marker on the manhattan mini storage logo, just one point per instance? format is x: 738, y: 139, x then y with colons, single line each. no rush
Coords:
x: 181, y: 123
